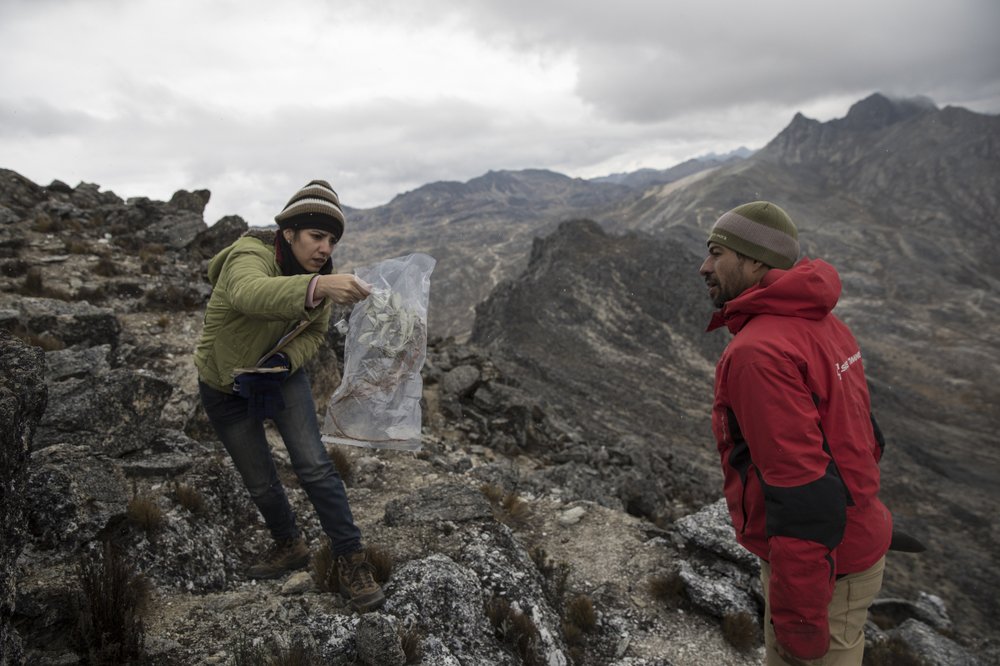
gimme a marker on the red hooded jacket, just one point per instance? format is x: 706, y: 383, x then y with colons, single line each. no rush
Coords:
x: 799, y: 446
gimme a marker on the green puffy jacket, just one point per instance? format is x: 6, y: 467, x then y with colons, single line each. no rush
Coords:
x: 252, y: 306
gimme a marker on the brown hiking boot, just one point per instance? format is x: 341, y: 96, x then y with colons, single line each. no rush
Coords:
x: 354, y: 572
x: 283, y: 556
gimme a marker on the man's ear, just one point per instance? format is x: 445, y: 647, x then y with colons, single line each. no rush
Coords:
x: 759, y: 268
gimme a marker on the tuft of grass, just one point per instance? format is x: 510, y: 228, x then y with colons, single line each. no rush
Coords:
x: 106, y: 267
x: 34, y: 285
x: 151, y: 258
x: 409, y: 640
x: 189, y: 497
x: 740, y: 630
x: 296, y: 654
x: 324, y: 569
x: 343, y: 464
x: 77, y: 247
x: 580, y: 612
x: 46, y: 341
x: 516, y: 629
x: 381, y: 562
x: 492, y: 492
x: 151, y: 250
x: 246, y: 652
x: 144, y: 513
x: 109, y: 628
x: 508, y: 508
x: 669, y: 589
x: 573, y: 634
x: 555, y: 576
x: 894, y: 652
x: 46, y: 225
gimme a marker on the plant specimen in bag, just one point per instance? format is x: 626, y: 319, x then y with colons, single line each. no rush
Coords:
x: 394, y: 337
x: 389, y: 327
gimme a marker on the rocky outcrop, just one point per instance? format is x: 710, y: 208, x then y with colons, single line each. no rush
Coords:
x: 23, y: 398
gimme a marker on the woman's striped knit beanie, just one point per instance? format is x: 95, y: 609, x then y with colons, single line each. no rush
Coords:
x: 315, y: 206
x: 761, y: 231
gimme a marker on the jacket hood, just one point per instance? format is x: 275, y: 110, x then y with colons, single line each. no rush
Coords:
x: 265, y: 236
x: 808, y: 290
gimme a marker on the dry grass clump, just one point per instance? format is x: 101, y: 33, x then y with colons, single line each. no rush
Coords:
x: 343, y: 464
x: 46, y: 341
x: 409, y: 640
x: 508, y: 508
x: 245, y: 652
x: 189, y: 497
x: 580, y: 612
x: 740, y: 630
x: 579, y: 620
x: 669, y: 589
x: 106, y: 267
x: 555, y: 576
x: 46, y: 225
x: 151, y: 257
x: 75, y: 246
x: 516, y: 629
x: 145, y: 513
x: 894, y: 652
x: 112, y: 597
x: 324, y: 569
x: 34, y: 285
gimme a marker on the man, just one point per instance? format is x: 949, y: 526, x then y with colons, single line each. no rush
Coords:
x: 798, y: 443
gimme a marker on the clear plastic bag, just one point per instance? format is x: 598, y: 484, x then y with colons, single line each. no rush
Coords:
x: 377, y: 404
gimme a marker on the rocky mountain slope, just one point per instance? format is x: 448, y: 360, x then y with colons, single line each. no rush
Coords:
x: 566, y: 459
x: 479, y: 231
x: 126, y: 532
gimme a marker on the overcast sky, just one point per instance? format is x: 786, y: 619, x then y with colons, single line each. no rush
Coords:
x: 252, y: 98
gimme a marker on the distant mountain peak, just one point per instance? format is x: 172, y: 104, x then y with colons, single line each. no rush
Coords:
x: 879, y: 110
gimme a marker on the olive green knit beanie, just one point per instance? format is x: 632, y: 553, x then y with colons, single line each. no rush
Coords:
x: 761, y: 231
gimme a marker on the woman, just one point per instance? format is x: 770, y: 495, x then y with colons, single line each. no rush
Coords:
x: 270, y: 287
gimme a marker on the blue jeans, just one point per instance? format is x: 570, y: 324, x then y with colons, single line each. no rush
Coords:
x: 244, y: 439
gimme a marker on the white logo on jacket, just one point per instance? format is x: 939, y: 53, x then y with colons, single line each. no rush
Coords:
x: 846, y: 365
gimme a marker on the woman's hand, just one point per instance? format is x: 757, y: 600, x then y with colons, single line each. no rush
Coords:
x: 342, y: 288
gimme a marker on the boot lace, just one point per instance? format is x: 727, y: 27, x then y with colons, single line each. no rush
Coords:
x: 360, y: 575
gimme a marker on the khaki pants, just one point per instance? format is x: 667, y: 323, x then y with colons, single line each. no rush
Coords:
x: 848, y: 611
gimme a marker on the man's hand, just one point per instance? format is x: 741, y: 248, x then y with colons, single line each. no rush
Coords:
x: 342, y: 288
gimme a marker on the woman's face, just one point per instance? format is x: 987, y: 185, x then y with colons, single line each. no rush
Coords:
x: 311, y: 247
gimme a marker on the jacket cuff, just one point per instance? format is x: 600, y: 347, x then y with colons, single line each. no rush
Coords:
x: 311, y: 301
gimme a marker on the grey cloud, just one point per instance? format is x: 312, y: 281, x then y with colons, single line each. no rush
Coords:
x: 646, y: 62
x: 37, y: 118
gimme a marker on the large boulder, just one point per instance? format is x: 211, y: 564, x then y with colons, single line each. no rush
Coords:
x: 77, y: 323
x: 112, y: 414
